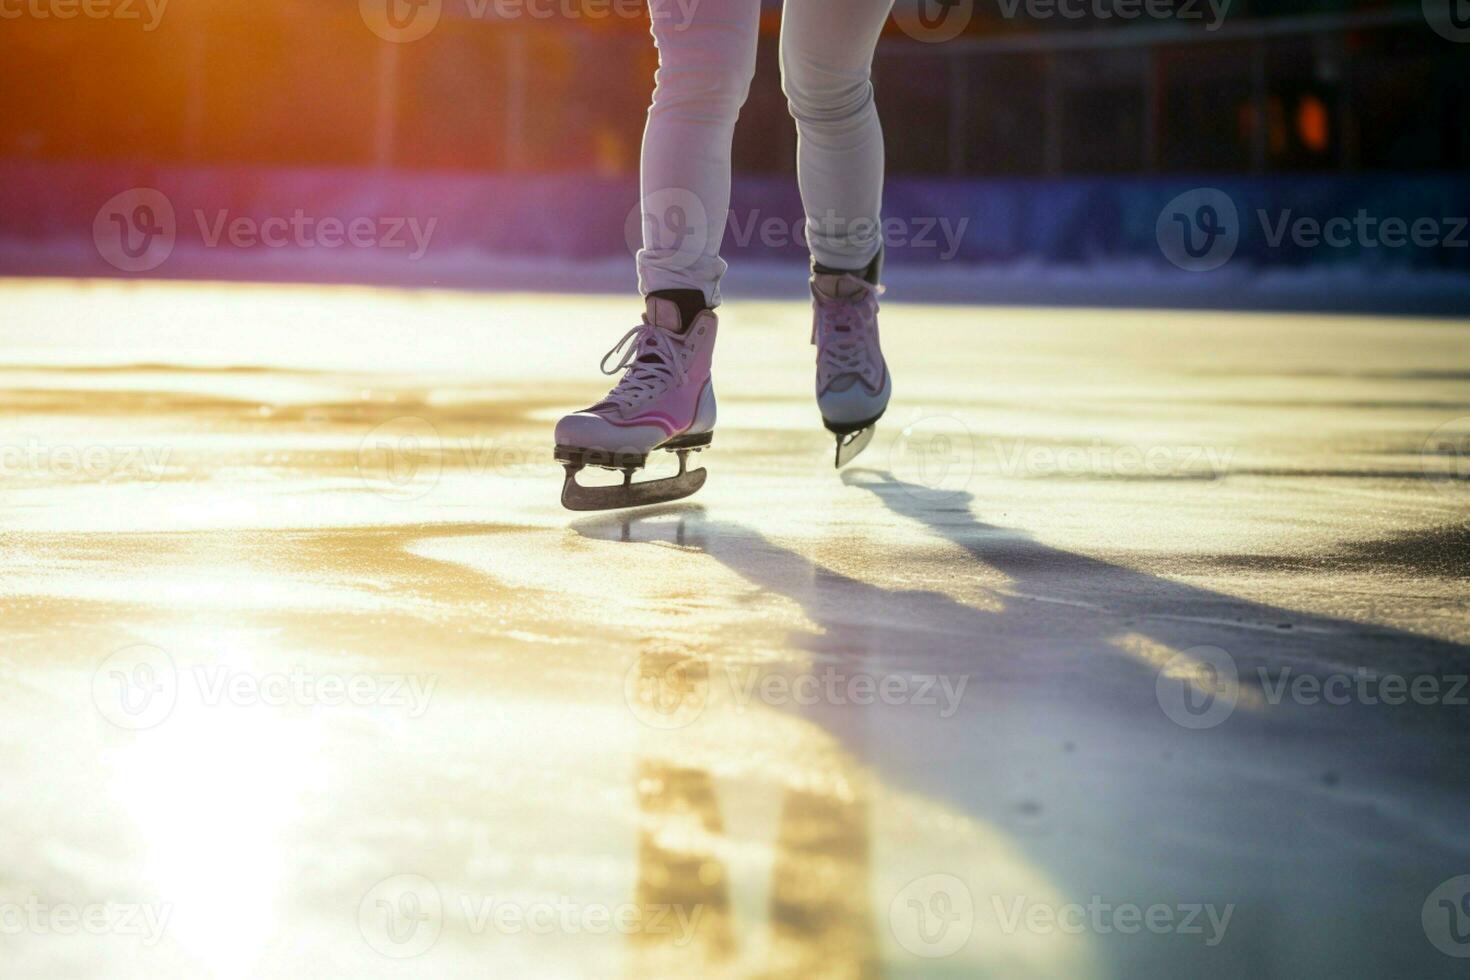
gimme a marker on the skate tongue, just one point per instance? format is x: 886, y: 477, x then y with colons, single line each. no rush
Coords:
x: 664, y: 313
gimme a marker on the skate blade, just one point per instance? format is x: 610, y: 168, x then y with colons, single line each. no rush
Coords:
x: 852, y: 443
x: 574, y: 496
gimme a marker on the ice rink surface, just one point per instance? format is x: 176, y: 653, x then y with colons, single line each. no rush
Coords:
x: 1128, y: 649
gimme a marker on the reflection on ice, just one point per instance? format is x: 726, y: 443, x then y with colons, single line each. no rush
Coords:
x: 357, y: 484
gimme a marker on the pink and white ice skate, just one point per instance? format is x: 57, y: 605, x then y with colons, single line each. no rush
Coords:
x: 665, y: 400
x: 853, y: 384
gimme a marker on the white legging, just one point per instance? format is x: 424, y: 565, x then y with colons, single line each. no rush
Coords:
x: 706, y: 57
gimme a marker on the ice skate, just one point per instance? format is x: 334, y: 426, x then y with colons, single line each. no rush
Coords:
x: 664, y: 400
x: 853, y: 384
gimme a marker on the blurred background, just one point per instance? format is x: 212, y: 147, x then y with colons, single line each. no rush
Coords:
x: 1057, y: 132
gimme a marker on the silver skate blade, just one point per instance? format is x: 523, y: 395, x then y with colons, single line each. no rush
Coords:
x: 852, y: 443
x: 574, y: 496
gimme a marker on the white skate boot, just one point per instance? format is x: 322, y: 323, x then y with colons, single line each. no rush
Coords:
x: 665, y: 400
x: 853, y: 384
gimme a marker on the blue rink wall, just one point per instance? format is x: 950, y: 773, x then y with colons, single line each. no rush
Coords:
x: 1357, y: 229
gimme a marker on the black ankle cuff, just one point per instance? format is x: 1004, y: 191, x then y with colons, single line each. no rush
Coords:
x: 689, y: 301
x: 871, y: 272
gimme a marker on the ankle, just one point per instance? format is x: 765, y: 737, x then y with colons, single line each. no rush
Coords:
x: 870, y: 272
x: 690, y: 302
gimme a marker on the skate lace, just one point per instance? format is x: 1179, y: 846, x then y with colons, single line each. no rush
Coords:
x: 842, y: 327
x: 649, y: 361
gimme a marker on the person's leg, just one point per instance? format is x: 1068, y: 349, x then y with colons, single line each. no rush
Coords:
x: 826, y: 57
x: 665, y: 399
x: 826, y: 54
x: 706, y: 54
